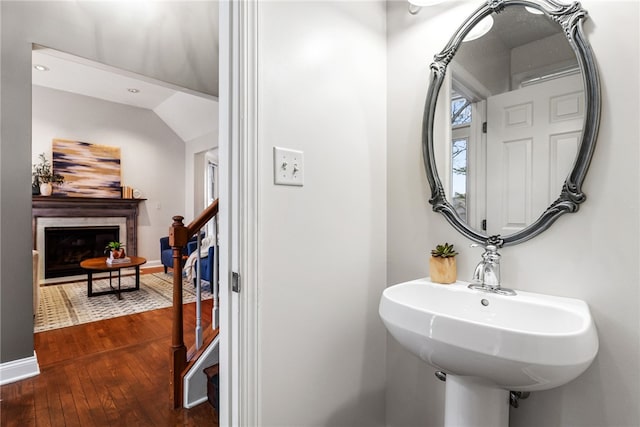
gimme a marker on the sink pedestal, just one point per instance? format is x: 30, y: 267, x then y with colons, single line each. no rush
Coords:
x: 472, y: 402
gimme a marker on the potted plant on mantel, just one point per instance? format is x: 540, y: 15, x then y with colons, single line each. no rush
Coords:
x: 44, y: 177
x: 442, y: 264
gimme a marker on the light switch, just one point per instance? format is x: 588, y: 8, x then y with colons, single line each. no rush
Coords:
x: 288, y: 167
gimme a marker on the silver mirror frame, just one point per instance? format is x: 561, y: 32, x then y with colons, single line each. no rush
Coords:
x: 570, y: 18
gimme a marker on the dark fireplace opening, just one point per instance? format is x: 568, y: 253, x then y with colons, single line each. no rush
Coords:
x: 66, y: 247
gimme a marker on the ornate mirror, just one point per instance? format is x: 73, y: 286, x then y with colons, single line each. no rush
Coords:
x: 518, y: 90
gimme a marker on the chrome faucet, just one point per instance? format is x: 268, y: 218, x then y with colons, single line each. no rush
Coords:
x: 486, y: 276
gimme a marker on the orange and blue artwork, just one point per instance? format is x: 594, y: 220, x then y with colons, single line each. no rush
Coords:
x: 89, y: 170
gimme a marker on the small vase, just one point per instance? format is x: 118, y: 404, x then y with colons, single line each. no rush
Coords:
x: 117, y: 254
x: 46, y: 188
x: 443, y: 270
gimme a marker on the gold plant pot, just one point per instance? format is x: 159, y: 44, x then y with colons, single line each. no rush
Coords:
x: 443, y: 270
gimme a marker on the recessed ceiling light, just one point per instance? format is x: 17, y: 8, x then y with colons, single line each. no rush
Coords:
x: 422, y: 3
x: 416, y: 5
x: 40, y: 67
x: 534, y: 10
x: 480, y: 29
x: 133, y: 90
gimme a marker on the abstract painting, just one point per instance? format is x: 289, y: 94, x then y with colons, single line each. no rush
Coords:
x: 89, y: 170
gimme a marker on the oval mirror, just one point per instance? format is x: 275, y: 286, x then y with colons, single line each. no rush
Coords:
x: 516, y: 97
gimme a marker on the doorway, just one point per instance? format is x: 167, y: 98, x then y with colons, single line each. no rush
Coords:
x: 150, y: 139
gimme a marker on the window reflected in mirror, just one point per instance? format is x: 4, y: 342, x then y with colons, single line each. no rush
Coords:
x: 461, y: 118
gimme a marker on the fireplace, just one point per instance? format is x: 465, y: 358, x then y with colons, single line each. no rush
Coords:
x: 76, y: 213
x: 65, y: 247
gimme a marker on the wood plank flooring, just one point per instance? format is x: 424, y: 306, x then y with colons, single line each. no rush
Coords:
x: 113, y: 372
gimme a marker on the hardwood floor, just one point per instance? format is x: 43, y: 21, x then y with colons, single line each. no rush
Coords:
x: 113, y: 372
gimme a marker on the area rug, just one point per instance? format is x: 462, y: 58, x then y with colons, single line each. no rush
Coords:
x: 68, y: 304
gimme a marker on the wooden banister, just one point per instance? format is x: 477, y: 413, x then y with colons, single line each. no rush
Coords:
x: 203, y: 218
x: 179, y: 235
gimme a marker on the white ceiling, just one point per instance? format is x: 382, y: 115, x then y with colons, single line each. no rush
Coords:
x: 187, y: 113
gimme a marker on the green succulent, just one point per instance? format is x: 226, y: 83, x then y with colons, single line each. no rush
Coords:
x: 444, y: 251
x: 113, y: 246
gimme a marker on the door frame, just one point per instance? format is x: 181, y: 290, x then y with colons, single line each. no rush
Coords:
x: 239, y: 207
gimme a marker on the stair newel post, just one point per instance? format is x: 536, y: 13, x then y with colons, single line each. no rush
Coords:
x: 178, y: 237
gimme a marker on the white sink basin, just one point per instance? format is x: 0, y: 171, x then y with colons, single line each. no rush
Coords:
x: 525, y: 342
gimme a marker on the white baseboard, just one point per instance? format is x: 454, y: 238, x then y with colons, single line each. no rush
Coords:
x: 195, y: 403
x: 151, y: 263
x: 20, y: 369
x: 81, y: 277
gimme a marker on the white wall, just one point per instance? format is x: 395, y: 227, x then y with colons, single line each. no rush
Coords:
x: 193, y: 150
x: 570, y: 259
x: 152, y: 155
x: 322, y: 75
x: 195, y: 120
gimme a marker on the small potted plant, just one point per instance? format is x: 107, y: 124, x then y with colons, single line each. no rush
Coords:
x: 115, y: 250
x: 44, y: 177
x: 442, y: 264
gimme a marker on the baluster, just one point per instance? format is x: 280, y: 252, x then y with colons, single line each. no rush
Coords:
x: 198, y: 292
x: 178, y: 237
x: 214, y: 285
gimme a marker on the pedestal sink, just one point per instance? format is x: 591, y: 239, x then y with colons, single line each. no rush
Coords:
x: 490, y: 344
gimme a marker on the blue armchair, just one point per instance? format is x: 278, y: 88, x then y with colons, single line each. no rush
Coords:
x: 166, y: 253
x: 206, y: 263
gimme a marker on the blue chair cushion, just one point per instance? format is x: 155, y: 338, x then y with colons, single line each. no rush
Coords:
x: 206, y: 263
x: 166, y: 253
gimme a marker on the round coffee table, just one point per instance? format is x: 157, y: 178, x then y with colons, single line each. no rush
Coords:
x: 101, y: 264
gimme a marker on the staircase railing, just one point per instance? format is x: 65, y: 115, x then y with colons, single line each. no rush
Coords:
x: 179, y: 235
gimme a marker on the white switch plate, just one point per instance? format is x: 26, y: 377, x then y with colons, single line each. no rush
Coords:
x: 288, y: 167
